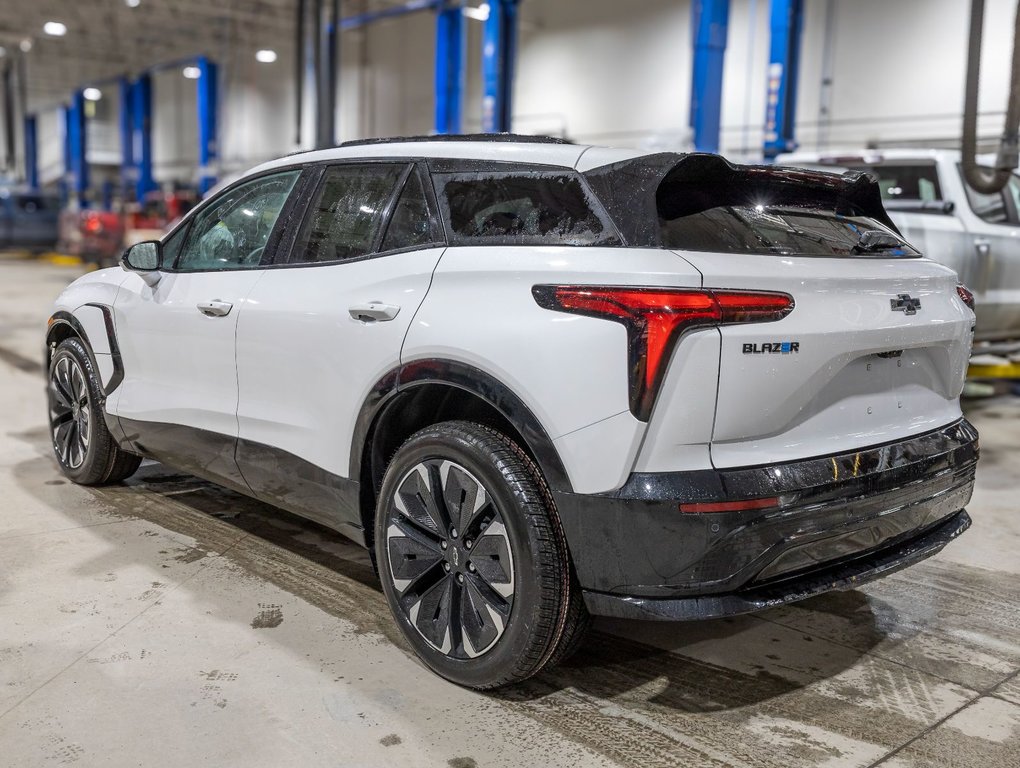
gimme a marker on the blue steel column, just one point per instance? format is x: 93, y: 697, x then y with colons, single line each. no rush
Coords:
x: 141, y: 135
x: 31, y: 152
x: 451, y: 46
x: 499, y: 52
x: 208, y: 151
x: 787, y: 20
x: 127, y: 155
x: 77, y: 165
x: 709, y: 21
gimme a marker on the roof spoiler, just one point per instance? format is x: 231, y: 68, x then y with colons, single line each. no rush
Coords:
x: 669, y: 185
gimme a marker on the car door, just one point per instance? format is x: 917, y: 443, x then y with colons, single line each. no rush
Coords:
x: 321, y: 329
x: 993, y: 222
x: 178, y: 399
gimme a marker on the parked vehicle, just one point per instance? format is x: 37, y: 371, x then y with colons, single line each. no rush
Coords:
x: 977, y: 235
x: 541, y: 381
x: 28, y: 219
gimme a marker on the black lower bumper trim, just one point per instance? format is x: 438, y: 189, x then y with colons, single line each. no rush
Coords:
x: 840, y: 576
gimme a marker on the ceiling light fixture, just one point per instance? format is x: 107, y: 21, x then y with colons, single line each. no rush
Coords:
x: 54, y: 28
x: 266, y: 56
x: 92, y: 94
x: 25, y: 45
x: 132, y: 3
x: 192, y: 73
x: 481, y: 13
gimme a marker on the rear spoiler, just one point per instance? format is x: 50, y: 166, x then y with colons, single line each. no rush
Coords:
x: 637, y: 193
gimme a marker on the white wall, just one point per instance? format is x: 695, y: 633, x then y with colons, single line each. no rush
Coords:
x: 612, y: 72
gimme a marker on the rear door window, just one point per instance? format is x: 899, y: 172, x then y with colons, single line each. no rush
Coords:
x: 347, y: 212
x: 521, y: 207
x: 412, y: 224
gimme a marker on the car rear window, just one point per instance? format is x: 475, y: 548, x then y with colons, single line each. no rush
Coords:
x: 780, y: 229
x: 521, y: 208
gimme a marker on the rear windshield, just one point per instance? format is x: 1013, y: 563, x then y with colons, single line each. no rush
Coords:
x: 521, y: 208
x: 787, y: 230
x: 908, y: 181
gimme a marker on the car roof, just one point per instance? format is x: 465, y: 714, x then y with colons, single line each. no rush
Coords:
x: 843, y: 155
x: 498, y: 148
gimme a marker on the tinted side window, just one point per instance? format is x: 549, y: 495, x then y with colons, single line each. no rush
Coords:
x: 521, y: 208
x: 346, y: 215
x: 233, y: 230
x: 411, y: 223
x: 906, y: 182
x: 32, y: 203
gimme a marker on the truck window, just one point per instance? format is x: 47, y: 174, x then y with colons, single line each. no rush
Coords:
x: 1000, y: 208
x: 909, y: 181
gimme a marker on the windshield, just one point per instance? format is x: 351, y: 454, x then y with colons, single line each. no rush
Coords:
x: 780, y: 229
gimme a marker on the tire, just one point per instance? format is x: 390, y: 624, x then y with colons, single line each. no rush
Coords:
x: 84, y: 448
x: 487, y: 605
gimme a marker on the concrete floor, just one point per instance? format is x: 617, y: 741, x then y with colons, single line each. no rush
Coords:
x: 167, y: 622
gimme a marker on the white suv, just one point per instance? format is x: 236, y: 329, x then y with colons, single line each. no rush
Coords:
x: 540, y: 381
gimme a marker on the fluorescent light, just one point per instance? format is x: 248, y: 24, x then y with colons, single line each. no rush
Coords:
x: 192, y: 73
x: 92, y: 94
x: 54, y: 28
x: 132, y: 3
x: 481, y: 13
x: 266, y: 56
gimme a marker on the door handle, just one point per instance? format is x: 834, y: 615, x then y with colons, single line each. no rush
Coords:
x: 215, y: 308
x: 373, y: 311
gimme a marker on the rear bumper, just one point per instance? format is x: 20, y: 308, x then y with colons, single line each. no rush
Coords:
x: 839, y: 521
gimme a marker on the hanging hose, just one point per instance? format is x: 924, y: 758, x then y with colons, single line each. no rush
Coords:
x: 982, y: 180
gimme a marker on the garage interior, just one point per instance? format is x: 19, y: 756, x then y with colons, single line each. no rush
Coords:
x: 166, y: 621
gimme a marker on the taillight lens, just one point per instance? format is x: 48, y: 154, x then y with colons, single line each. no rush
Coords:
x: 965, y: 295
x: 656, y: 317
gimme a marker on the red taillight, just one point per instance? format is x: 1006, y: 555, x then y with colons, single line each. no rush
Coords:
x: 93, y: 225
x: 730, y: 506
x: 656, y: 317
x: 965, y: 295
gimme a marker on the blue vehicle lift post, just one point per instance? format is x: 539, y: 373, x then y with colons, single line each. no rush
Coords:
x: 709, y: 22
x: 127, y: 155
x: 499, y: 51
x: 787, y: 21
x: 208, y: 150
x: 451, y: 47
x: 31, y: 146
x: 77, y: 165
x: 141, y: 129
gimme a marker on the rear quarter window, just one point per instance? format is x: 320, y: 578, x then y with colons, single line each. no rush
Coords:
x: 521, y: 208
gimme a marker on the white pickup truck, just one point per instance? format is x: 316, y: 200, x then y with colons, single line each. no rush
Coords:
x: 977, y: 235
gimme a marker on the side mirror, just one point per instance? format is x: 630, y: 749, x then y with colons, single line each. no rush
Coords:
x: 145, y: 259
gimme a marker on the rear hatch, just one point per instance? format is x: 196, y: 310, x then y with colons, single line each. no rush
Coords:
x: 876, y: 347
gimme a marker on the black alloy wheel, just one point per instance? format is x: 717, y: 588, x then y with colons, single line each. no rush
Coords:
x: 82, y: 444
x: 473, y: 558
x: 450, y: 559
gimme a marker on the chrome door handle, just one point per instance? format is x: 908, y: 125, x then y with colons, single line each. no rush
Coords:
x: 215, y: 308
x: 373, y: 311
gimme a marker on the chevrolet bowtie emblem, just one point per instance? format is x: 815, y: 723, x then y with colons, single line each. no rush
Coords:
x: 905, y: 303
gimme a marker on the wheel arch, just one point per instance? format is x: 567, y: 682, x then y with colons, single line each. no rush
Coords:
x: 63, y: 325
x: 427, y: 392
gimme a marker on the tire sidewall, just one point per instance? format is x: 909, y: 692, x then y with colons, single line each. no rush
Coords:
x: 94, y: 455
x: 494, y: 663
